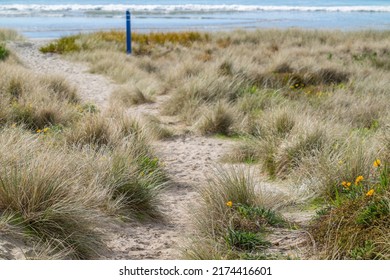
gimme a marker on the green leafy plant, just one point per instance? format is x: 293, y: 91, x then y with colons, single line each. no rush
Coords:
x: 4, y: 53
x: 244, y: 240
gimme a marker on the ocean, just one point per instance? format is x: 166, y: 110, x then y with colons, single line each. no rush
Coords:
x: 44, y: 19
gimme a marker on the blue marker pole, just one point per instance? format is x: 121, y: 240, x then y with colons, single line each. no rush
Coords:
x: 128, y: 33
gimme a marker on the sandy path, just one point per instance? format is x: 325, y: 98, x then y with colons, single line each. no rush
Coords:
x: 187, y: 159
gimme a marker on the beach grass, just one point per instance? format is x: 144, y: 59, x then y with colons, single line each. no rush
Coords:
x: 65, y: 167
x: 309, y: 109
x: 231, y: 220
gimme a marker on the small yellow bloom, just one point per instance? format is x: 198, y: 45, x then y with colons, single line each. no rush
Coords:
x: 359, y: 179
x: 39, y: 131
x: 346, y: 184
x: 377, y: 163
x: 229, y: 203
x: 370, y: 192
x: 46, y: 129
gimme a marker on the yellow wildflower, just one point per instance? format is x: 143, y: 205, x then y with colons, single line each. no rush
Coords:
x: 346, y: 184
x: 39, y: 131
x: 229, y: 203
x: 377, y: 163
x: 46, y: 129
x: 359, y: 179
x: 370, y: 192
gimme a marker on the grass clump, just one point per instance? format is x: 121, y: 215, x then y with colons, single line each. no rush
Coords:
x: 63, y: 45
x: 219, y: 120
x: 93, y: 130
x: 230, y: 219
x: 40, y: 196
x: 36, y: 103
x: 129, y: 96
x: 9, y: 35
x: 354, y: 225
x: 136, y: 181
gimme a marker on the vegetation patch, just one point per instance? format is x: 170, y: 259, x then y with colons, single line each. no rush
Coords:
x: 4, y: 53
x: 230, y: 219
x: 355, y: 224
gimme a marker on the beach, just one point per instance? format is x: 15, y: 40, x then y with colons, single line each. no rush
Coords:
x: 233, y: 131
x: 230, y: 138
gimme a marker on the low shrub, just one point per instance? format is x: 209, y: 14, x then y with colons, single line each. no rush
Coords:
x: 4, y: 53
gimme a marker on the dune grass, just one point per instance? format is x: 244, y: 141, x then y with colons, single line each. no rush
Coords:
x: 309, y: 107
x: 231, y: 220
x: 65, y: 167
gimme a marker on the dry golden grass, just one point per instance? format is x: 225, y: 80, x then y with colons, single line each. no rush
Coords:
x: 231, y: 218
x: 65, y: 166
x: 311, y: 107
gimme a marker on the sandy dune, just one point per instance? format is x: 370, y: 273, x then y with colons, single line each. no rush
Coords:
x: 187, y: 158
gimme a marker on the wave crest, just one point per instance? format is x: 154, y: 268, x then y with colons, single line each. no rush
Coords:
x: 21, y: 9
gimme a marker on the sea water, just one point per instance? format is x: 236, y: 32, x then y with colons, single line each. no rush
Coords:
x: 50, y: 19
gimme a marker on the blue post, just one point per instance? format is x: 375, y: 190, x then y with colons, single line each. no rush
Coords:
x: 128, y: 33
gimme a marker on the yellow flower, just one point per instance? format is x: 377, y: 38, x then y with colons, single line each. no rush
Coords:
x: 46, y: 129
x: 229, y: 203
x: 346, y: 184
x: 39, y: 131
x: 359, y: 179
x: 377, y: 163
x: 370, y: 192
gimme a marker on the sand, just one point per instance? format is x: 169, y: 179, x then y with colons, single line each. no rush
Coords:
x: 188, y: 159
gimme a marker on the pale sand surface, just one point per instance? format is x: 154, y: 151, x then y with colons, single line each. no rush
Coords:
x: 188, y: 159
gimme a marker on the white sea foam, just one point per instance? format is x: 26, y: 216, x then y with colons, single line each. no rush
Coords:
x: 16, y: 9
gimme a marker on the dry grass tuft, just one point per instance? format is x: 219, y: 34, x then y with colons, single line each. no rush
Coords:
x: 230, y: 222
x: 218, y: 119
x: 129, y: 96
x: 65, y: 167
